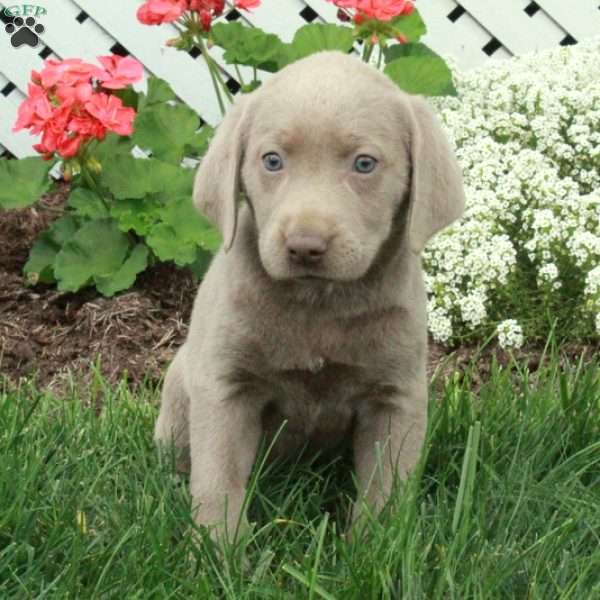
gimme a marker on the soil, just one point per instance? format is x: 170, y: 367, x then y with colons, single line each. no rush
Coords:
x: 56, y: 336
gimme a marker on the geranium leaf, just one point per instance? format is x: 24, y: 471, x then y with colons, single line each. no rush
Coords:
x: 63, y: 229
x: 249, y: 46
x: 165, y: 130
x: 202, y: 262
x: 316, y: 37
x: 137, y: 214
x: 128, y: 96
x: 98, y: 249
x: 23, y: 181
x: 158, y: 91
x: 410, y: 49
x: 87, y: 203
x: 40, y: 265
x: 198, y: 145
x: 112, y: 147
x: 166, y: 244
x: 412, y: 26
x: 189, y: 225
x: 125, y: 276
x: 128, y: 177
x: 426, y: 75
x: 181, y: 182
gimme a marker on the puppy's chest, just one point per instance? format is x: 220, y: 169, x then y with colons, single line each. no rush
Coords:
x: 316, y: 374
x: 318, y: 370
x: 317, y: 405
x: 316, y: 347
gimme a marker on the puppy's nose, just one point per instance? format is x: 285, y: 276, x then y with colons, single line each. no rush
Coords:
x: 306, y: 249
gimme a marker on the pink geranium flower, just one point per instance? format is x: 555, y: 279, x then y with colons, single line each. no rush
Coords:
x: 247, y: 4
x: 381, y: 10
x: 73, y: 94
x: 67, y: 72
x: 120, y: 71
x: 156, y: 12
x: 34, y: 111
x: 57, y: 138
x: 68, y: 105
x: 87, y: 127
x: 207, y: 10
x: 214, y: 7
x: 109, y: 110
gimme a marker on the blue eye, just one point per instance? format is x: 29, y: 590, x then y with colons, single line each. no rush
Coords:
x: 272, y: 161
x: 364, y: 163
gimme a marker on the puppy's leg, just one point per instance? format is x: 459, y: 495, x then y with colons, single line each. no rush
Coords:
x: 387, y: 445
x: 172, y: 425
x: 225, y: 435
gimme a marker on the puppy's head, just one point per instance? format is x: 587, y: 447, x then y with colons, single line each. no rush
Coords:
x: 327, y: 152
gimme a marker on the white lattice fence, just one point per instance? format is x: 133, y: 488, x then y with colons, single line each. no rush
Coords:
x: 471, y: 31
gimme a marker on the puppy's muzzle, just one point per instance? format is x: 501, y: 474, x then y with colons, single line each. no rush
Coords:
x: 306, y: 250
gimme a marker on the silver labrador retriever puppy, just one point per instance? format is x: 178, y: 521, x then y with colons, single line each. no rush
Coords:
x: 314, y: 310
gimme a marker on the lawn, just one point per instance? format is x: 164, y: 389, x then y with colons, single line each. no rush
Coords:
x: 506, y: 504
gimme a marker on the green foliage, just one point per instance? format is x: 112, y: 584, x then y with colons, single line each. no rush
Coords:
x: 166, y: 130
x: 317, y: 37
x: 22, y: 182
x: 417, y: 69
x: 138, y: 215
x: 40, y: 266
x: 254, y: 47
x: 198, y: 145
x: 413, y: 66
x: 189, y: 224
x: 87, y: 203
x: 124, y: 276
x: 250, y: 46
x: 412, y: 26
x: 98, y: 252
x: 181, y: 231
x: 129, y: 177
x: 159, y: 91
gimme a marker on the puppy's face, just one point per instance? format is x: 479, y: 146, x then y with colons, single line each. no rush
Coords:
x: 326, y: 166
x: 327, y: 151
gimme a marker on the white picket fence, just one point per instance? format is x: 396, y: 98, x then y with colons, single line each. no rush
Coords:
x: 472, y: 32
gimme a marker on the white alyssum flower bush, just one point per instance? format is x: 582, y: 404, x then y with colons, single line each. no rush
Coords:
x: 527, y: 252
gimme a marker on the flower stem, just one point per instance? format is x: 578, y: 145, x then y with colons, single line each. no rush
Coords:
x: 215, y: 74
x: 380, y: 57
x: 368, y: 51
x: 92, y: 184
x: 239, y: 74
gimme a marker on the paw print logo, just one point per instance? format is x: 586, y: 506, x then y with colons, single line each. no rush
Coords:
x: 24, y: 32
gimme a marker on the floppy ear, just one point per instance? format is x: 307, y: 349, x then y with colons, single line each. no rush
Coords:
x: 436, y: 193
x: 217, y: 183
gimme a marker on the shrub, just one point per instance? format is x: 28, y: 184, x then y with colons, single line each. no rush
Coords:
x: 527, y: 252
x: 122, y: 213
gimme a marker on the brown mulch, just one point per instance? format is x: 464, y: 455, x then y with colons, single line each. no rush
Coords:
x: 55, y: 335
x: 50, y: 333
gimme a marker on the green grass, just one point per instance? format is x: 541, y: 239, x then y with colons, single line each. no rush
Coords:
x: 506, y: 504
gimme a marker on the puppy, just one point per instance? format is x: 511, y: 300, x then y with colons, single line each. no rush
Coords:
x: 325, y: 183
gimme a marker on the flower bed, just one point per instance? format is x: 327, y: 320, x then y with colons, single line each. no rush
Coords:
x: 526, y: 255
x: 523, y: 260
